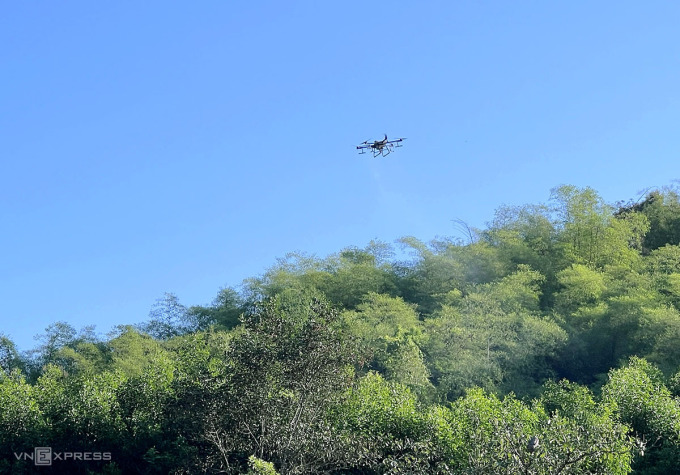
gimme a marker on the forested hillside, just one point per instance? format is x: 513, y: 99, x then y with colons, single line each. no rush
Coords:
x: 547, y: 343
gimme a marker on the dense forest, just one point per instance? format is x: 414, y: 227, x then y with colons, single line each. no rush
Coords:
x: 546, y: 343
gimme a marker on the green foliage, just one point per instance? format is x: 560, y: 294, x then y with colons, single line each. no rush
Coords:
x: 223, y: 314
x: 658, y: 335
x: 168, y: 319
x: 458, y: 353
x: 131, y: 352
x: 392, y: 432
x: 260, y: 467
x: 664, y: 260
x: 580, y: 287
x: 344, y: 279
x: 56, y: 336
x: 493, y: 433
x: 444, y: 266
x: 355, y: 274
x: 590, y: 234
x: 674, y: 385
x: 642, y: 400
x: 564, y: 432
x: 582, y: 436
x: 288, y: 363
x: 156, y: 433
x: 390, y: 332
x: 662, y: 209
x: 82, y: 357
x: 380, y: 316
x: 516, y: 292
x: 22, y: 421
x: 492, y: 338
x: 528, y: 235
x: 10, y: 359
x: 359, y: 363
x: 663, y: 267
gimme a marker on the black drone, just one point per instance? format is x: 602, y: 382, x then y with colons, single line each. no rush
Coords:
x: 380, y: 147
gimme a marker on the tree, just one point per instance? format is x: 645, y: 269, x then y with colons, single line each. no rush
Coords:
x: 662, y: 210
x: 287, y: 364
x: 224, y: 312
x: 590, y: 234
x: 71, y: 350
x: 56, y: 336
x: 10, y: 359
x: 580, y: 286
x: 260, y: 467
x: 131, y: 352
x: 444, y: 266
x: 81, y: 413
x: 528, y: 235
x: 493, y: 337
x: 22, y: 422
x: 356, y: 274
x: 168, y: 319
x: 563, y: 432
x: 390, y: 330
x: 157, y: 437
x: 642, y: 400
x: 663, y: 265
x: 392, y: 432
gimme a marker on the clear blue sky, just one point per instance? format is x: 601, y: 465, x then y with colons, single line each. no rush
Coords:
x: 152, y: 147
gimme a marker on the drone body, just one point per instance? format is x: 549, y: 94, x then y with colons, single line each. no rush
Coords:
x: 380, y: 147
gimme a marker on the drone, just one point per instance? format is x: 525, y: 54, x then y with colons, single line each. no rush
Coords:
x: 380, y: 147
